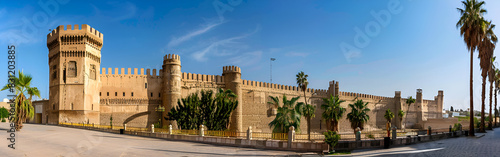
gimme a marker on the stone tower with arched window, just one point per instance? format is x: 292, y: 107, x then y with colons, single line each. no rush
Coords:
x: 74, y: 62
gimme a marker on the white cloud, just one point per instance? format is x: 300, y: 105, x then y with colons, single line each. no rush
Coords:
x: 217, y: 48
x: 246, y: 59
x: 200, y: 31
x: 297, y: 54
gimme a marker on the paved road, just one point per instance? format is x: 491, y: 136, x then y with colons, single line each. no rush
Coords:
x: 42, y: 140
x: 485, y: 146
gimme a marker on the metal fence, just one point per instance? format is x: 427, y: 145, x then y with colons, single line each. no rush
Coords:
x: 376, y: 134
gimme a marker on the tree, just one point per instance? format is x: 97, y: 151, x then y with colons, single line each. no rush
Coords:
x: 332, y: 112
x: 451, y: 109
x: 288, y: 115
x: 470, y: 28
x: 4, y: 113
x: 497, y: 83
x: 401, y: 114
x: 226, y: 103
x: 388, y: 115
x: 331, y: 138
x: 24, y: 107
x: 359, y: 114
x: 213, y: 112
x: 485, y: 54
x: 302, y: 82
x: 409, y: 101
x: 491, y: 79
x: 486, y: 48
x: 308, y: 111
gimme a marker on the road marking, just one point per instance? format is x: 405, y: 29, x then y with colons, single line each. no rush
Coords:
x: 404, y: 152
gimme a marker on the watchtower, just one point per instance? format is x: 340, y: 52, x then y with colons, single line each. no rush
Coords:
x: 232, y: 79
x: 74, y: 63
x: 171, y: 84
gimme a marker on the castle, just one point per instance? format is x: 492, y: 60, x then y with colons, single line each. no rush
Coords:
x: 83, y: 92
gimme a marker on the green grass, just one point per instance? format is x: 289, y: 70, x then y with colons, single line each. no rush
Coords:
x: 463, y: 118
x: 339, y: 152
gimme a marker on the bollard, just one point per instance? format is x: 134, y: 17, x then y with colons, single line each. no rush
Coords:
x: 450, y: 129
x: 170, y: 129
x: 429, y: 131
x: 291, y: 134
x: 249, y: 133
x: 460, y: 128
x: 358, y: 134
x: 202, y: 130
x: 394, y: 133
x: 124, y: 126
x: 152, y: 128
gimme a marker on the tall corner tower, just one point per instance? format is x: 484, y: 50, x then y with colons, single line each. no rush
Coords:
x: 172, y: 81
x: 232, y: 79
x: 74, y: 63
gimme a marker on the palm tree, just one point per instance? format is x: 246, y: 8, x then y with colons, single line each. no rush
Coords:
x: 409, y: 101
x: 401, y: 114
x: 470, y: 28
x: 24, y: 107
x: 332, y: 112
x: 308, y: 112
x: 491, y: 79
x: 497, y: 83
x: 486, y: 48
x: 302, y: 83
x: 288, y: 115
x: 358, y: 115
x: 388, y: 116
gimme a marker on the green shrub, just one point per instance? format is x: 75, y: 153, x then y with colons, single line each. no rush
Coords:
x: 370, y: 135
x: 3, y: 120
x: 331, y: 138
x: 456, y: 127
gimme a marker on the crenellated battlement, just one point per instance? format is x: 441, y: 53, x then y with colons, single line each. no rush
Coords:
x: 75, y: 30
x: 116, y: 71
x: 249, y: 83
x: 231, y: 69
x: 171, y: 59
x: 360, y: 95
x: 202, y: 77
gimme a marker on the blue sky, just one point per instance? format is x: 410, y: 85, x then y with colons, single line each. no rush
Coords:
x: 418, y: 47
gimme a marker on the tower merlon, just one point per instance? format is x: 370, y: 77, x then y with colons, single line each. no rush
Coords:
x: 231, y: 69
x: 74, y: 30
x: 172, y: 59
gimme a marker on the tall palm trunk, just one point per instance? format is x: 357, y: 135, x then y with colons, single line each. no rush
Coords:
x: 496, y: 90
x: 471, y: 120
x: 308, y: 119
x: 335, y: 125
x: 309, y: 128
x: 491, y: 118
x: 483, y: 96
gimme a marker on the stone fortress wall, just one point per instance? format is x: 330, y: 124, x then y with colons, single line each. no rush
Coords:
x: 133, y: 98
